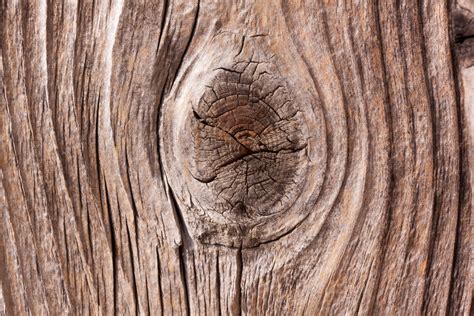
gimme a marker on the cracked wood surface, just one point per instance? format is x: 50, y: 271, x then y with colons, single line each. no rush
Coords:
x: 198, y: 157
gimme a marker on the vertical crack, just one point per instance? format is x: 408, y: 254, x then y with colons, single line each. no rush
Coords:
x: 160, y: 288
x: 186, y: 244
x: 134, y: 268
x: 239, y: 282
x: 183, y: 229
x: 188, y: 44
x: 184, y: 276
x: 113, y: 248
x: 218, y: 284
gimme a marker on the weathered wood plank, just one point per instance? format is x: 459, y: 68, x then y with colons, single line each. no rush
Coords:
x: 236, y: 157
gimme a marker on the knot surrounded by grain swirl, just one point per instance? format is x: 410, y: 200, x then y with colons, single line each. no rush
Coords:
x: 243, y: 141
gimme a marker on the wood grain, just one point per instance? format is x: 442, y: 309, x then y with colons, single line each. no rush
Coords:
x: 205, y: 157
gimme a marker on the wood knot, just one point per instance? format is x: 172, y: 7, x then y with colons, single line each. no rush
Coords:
x: 237, y: 149
x: 249, y: 142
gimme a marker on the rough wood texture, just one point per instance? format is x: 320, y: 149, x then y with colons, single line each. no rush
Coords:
x: 288, y: 157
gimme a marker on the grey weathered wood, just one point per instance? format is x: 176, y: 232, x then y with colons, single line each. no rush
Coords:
x: 112, y: 202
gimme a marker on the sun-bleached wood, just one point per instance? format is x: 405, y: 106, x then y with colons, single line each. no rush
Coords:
x: 182, y: 157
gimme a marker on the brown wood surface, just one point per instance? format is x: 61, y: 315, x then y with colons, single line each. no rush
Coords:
x: 197, y: 157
